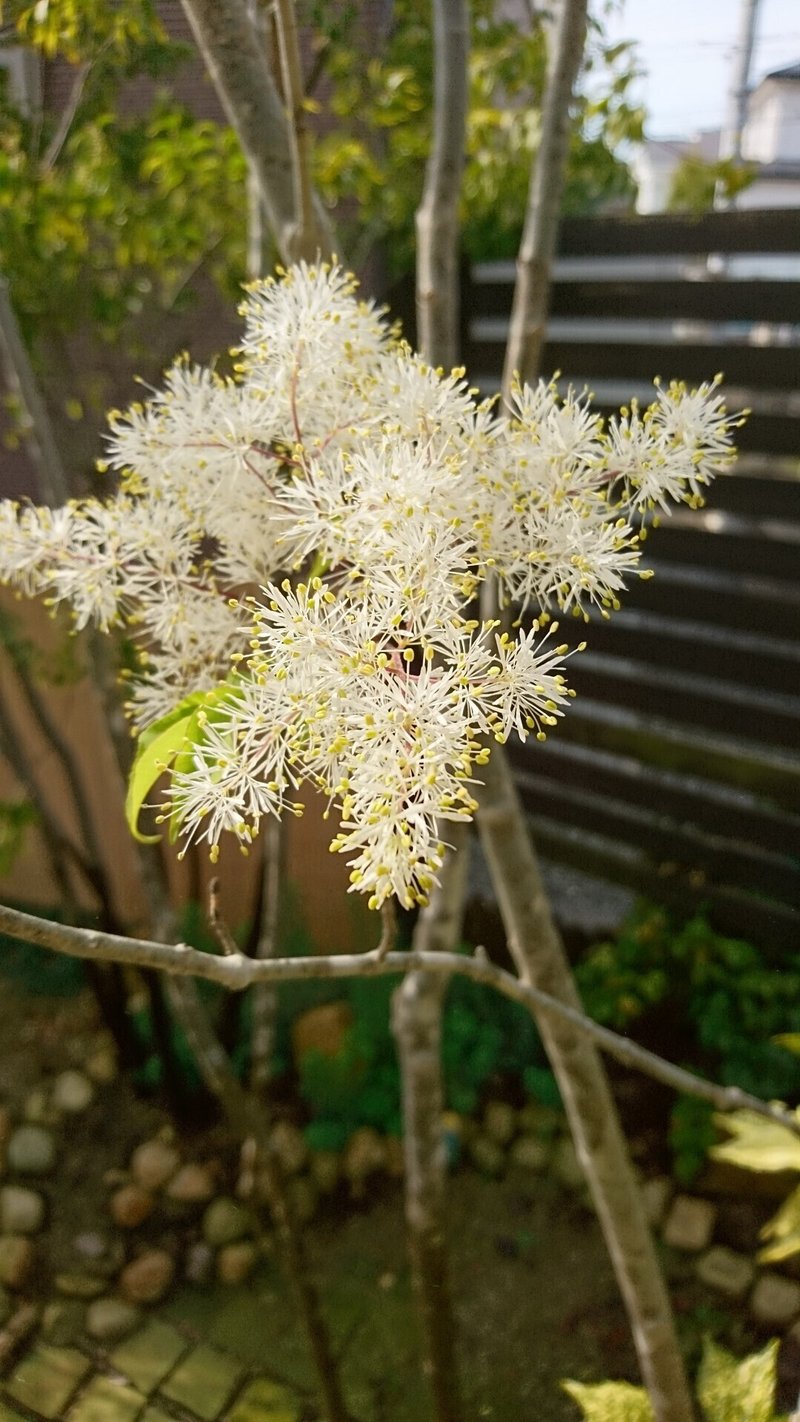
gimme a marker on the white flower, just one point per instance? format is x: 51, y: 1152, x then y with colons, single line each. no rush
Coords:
x: 338, y: 456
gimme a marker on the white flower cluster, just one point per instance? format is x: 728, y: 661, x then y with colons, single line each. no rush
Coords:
x: 368, y: 497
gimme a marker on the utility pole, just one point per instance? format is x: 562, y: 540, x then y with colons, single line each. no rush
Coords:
x: 730, y: 144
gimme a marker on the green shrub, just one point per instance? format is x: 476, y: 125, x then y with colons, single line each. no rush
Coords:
x: 716, y: 997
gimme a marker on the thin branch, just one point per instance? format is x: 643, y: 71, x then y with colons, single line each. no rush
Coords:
x: 304, y: 240
x: 417, y: 1007
x: 37, y: 432
x: 249, y: 1122
x: 217, y: 923
x: 241, y: 75
x: 58, y: 844
x: 437, y: 216
x: 537, y: 249
x: 388, y: 937
x: 265, y: 1000
x: 67, y: 116
x: 239, y: 972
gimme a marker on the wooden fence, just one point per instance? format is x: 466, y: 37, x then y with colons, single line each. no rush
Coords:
x: 677, y: 769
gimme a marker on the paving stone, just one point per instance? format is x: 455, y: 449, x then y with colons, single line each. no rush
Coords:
x: 264, y: 1401
x: 6, y: 1415
x: 726, y: 1271
x: 105, y: 1400
x: 147, y: 1357
x: 203, y: 1382
x: 47, y: 1379
x: 153, y: 1414
x: 690, y: 1224
x: 775, y: 1301
x: 656, y: 1195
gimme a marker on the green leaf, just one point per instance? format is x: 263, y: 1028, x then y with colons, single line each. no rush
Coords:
x: 168, y: 744
x: 158, y: 747
x: 758, y: 1144
x: 789, y: 1040
x: 784, y: 1230
x: 611, y: 1401
x: 730, y: 1390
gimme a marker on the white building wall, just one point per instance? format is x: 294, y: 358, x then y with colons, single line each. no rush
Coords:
x: 772, y: 131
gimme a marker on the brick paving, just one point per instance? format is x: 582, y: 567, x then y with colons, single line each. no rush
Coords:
x: 156, y: 1375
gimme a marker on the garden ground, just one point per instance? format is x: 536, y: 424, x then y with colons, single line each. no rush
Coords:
x: 536, y: 1301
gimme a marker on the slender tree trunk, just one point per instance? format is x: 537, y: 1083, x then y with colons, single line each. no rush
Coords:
x: 417, y: 1026
x: 37, y: 432
x: 265, y: 997
x: 534, y: 261
x: 256, y: 225
x: 248, y: 1121
x: 417, y: 1006
x: 540, y: 958
x: 242, y: 78
x: 437, y: 220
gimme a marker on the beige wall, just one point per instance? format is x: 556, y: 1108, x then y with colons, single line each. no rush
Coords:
x: 336, y: 920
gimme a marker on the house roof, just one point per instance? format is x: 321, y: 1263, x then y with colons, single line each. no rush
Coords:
x: 791, y: 71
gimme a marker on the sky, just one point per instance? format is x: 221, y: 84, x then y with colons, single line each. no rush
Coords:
x: 686, y: 49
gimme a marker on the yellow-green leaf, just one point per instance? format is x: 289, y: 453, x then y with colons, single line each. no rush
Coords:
x: 733, y: 1390
x: 790, y: 1041
x: 157, y: 749
x: 611, y: 1401
x: 758, y: 1143
x: 168, y: 744
x: 784, y: 1230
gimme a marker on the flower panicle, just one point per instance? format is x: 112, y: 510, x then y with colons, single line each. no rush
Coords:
x: 368, y: 496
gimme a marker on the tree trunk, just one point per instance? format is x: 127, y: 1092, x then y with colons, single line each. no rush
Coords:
x: 540, y: 958
x: 535, y: 258
x: 242, y: 78
x: 417, y: 1026
x: 437, y: 222
x: 417, y: 1006
x: 248, y: 1121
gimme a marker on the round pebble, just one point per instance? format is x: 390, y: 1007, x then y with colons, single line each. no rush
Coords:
x: 226, y: 1222
x: 72, y: 1092
x: 192, y: 1185
x: 154, y: 1163
x: 147, y: 1279
x: 21, y: 1210
x: 109, y: 1318
x: 235, y: 1262
x: 130, y: 1206
x: 199, y: 1263
x: 31, y: 1150
x: 288, y: 1143
x: 499, y: 1122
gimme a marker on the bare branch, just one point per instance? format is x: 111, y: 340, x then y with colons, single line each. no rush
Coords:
x: 265, y: 1002
x: 54, y: 147
x: 534, y: 262
x: 241, y: 75
x: 217, y: 923
x: 239, y: 972
x: 540, y: 958
x: 37, y: 431
x: 304, y: 238
x: 437, y: 216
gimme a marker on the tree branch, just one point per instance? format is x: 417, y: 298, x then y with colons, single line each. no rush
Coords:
x: 241, y: 75
x: 437, y: 216
x: 537, y: 249
x: 238, y: 972
x: 37, y: 431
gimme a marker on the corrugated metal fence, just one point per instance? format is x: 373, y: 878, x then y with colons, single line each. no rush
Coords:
x: 677, y: 769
